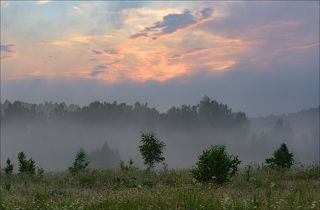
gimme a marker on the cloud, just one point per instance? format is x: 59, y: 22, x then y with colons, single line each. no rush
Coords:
x: 77, y: 9
x: 97, y: 52
x: 42, y: 1
x: 6, y: 48
x: 112, y: 53
x: 7, y: 51
x: 98, y: 70
x: 173, y: 22
x: 166, y: 43
x: 5, y: 4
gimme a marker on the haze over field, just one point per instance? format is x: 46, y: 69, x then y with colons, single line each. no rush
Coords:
x: 53, y: 133
x: 259, y: 58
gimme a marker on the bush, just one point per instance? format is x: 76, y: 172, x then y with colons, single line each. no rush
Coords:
x: 127, y: 167
x: 80, y: 163
x: 40, y: 171
x: 151, y: 149
x: 215, y: 165
x: 282, y: 158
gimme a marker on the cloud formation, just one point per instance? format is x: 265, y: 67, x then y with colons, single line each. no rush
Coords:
x: 153, y: 42
x: 98, y: 70
x: 173, y: 22
x: 7, y: 51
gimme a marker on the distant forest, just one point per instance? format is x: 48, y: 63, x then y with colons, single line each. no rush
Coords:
x: 206, y: 113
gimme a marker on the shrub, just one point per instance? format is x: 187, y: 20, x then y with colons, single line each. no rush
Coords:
x: 80, y: 163
x: 127, y: 167
x: 26, y: 166
x: 151, y: 149
x: 216, y: 165
x: 40, y: 171
x: 282, y: 158
x: 9, y: 167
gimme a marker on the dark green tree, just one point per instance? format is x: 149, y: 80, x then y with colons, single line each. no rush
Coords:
x: 80, y: 163
x: 9, y: 167
x: 215, y: 165
x: 282, y: 158
x: 22, y: 162
x: 26, y: 166
x: 151, y: 149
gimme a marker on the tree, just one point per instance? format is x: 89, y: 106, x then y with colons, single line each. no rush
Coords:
x: 26, y: 166
x: 104, y: 157
x: 215, y: 165
x: 80, y: 163
x: 151, y: 149
x: 9, y: 167
x: 282, y: 158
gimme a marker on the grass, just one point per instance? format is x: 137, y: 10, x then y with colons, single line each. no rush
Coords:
x: 172, y: 189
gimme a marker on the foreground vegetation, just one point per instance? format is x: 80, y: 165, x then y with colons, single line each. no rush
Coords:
x: 257, y: 188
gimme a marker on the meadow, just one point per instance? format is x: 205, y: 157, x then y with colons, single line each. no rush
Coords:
x: 258, y: 188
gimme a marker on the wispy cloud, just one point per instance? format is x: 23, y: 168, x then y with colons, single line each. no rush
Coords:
x: 98, y: 70
x: 6, y: 48
x: 42, y: 1
x: 7, y: 51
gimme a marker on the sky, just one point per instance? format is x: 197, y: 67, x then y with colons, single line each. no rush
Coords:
x: 258, y: 57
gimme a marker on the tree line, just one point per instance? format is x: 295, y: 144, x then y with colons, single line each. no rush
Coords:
x: 206, y: 113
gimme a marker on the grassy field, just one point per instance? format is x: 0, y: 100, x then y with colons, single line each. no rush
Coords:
x: 172, y: 189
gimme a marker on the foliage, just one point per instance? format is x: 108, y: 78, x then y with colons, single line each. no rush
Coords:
x: 151, y: 149
x: 282, y: 158
x: 9, y: 167
x: 215, y: 164
x: 26, y: 166
x: 80, y: 163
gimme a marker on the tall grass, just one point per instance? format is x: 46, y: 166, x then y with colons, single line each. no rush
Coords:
x: 265, y: 188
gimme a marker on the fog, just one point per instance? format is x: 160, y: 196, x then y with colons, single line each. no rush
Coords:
x: 52, y: 133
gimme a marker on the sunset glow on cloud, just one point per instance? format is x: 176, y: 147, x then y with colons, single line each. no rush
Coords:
x: 138, y: 44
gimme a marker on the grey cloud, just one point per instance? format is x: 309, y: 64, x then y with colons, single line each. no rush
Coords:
x: 98, y: 70
x: 207, y: 12
x: 111, y: 51
x: 172, y: 22
x: 244, y: 16
x: 103, y: 52
x: 144, y: 34
x: 7, y: 48
x: 274, y: 28
x: 97, y: 52
x: 7, y: 51
x: 94, y: 73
